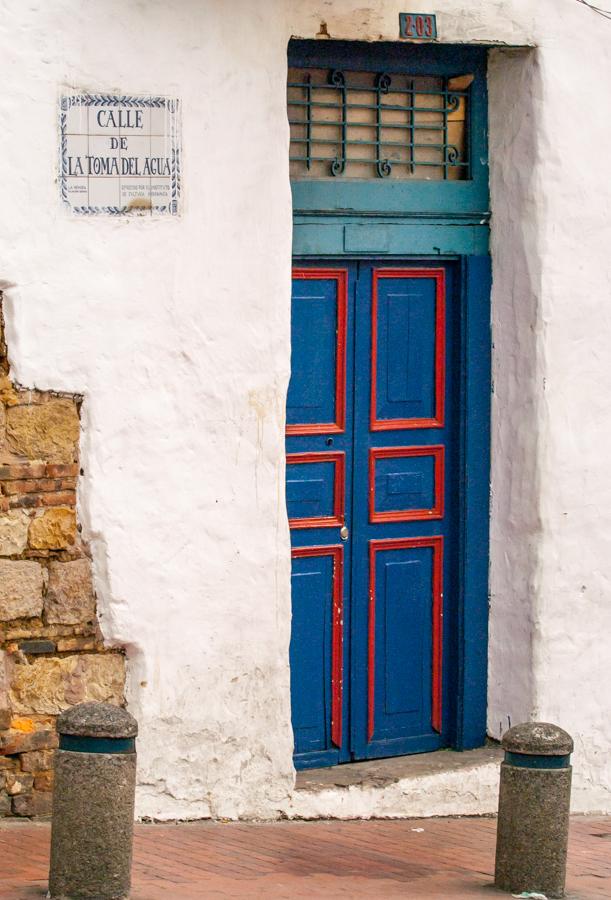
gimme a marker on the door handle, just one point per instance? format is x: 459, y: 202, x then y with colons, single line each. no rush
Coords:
x: 344, y: 533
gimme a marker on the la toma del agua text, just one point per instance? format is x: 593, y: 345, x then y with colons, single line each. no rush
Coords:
x: 118, y: 164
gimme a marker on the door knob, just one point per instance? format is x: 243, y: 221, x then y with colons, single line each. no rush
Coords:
x: 344, y: 533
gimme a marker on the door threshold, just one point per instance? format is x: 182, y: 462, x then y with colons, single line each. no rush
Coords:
x: 379, y: 773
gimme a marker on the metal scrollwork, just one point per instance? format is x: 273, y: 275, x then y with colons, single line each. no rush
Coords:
x: 452, y: 155
x: 453, y: 102
x: 378, y: 124
x: 384, y: 167
x: 338, y: 165
x: 383, y: 82
x: 338, y: 80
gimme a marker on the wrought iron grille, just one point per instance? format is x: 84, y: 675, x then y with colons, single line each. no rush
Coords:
x: 368, y: 125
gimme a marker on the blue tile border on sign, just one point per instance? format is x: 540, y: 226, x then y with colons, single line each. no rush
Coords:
x: 120, y: 100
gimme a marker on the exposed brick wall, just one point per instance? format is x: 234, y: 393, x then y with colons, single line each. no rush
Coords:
x: 51, y: 650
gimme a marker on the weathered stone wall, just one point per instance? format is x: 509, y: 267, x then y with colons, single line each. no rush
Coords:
x: 51, y: 651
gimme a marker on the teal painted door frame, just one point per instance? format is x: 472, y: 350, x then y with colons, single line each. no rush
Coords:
x: 418, y: 222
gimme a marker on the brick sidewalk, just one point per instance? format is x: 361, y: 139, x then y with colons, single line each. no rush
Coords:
x: 430, y: 858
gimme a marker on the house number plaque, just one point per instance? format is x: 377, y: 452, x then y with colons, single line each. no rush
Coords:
x: 418, y: 26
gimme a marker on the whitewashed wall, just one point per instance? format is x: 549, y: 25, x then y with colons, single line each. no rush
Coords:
x: 177, y: 333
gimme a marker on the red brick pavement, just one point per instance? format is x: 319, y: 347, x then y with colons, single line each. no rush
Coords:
x: 427, y: 858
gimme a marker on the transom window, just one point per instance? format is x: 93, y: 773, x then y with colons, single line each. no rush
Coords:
x: 357, y: 124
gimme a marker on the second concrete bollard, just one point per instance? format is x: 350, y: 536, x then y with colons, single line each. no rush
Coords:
x: 534, y: 801
x: 93, y: 804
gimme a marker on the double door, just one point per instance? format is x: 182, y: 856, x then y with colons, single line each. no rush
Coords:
x: 372, y: 496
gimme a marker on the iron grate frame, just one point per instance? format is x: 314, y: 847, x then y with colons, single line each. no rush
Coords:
x: 451, y: 161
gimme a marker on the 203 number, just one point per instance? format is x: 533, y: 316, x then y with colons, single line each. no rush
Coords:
x: 418, y: 26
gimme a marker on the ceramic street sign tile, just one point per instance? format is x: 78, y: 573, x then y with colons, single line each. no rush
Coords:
x: 119, y: 154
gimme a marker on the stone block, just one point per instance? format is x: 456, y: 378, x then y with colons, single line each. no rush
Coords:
x: 5, y: 720
x: 48, y: 430
x: 19, y: 783
x: 27, y: 734
x: 62, y: 471
x: 55, y: 529
x: 47, y: 686
x: 39, y: 501
x: 69, y: 645
x: 20, y: 470
x: 37, y: 760
x: 13, y: 532
x: 8, y: 393
x: 59, y: 498
x: 43, y: 781
x: 69, y: 598
x: 38, y: 803
x: 37, y: 646
x: 5, y: 804
x: 21, y: 584
x: 13, y: 741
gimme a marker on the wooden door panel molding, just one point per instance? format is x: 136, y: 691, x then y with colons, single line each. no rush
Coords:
x: 338, y: 425
x: 380, y: 353
x: 436, y: 604
x: 337, y: 516
x: 337, y: 631
x: 434, y: 510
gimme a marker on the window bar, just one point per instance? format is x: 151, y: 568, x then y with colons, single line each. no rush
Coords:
x: 388, y: 143
x: 412, y: 137
x: 337, y: 79
x: 467, y: 156
x: 426, y: 92
x: 308, y: 110
x: 452, y: 154
x: 445, y: 129
x: 383, y: 166
x: 396, y: 162
x: 396, y: 125
x: 387, y: 106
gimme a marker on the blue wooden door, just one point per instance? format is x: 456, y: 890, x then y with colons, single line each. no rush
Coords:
x: 371, y: 497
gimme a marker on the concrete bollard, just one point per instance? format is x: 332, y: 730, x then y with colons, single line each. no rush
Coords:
x: 93, y: 803
x: 534, y: 803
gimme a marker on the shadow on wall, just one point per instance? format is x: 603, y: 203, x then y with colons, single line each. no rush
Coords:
x: 515, y: 93
x: 51, y: 650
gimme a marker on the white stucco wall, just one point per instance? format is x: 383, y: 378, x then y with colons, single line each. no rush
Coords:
x: 177, y: 334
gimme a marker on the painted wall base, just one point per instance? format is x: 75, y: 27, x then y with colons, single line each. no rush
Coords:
x: 458, y: 790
